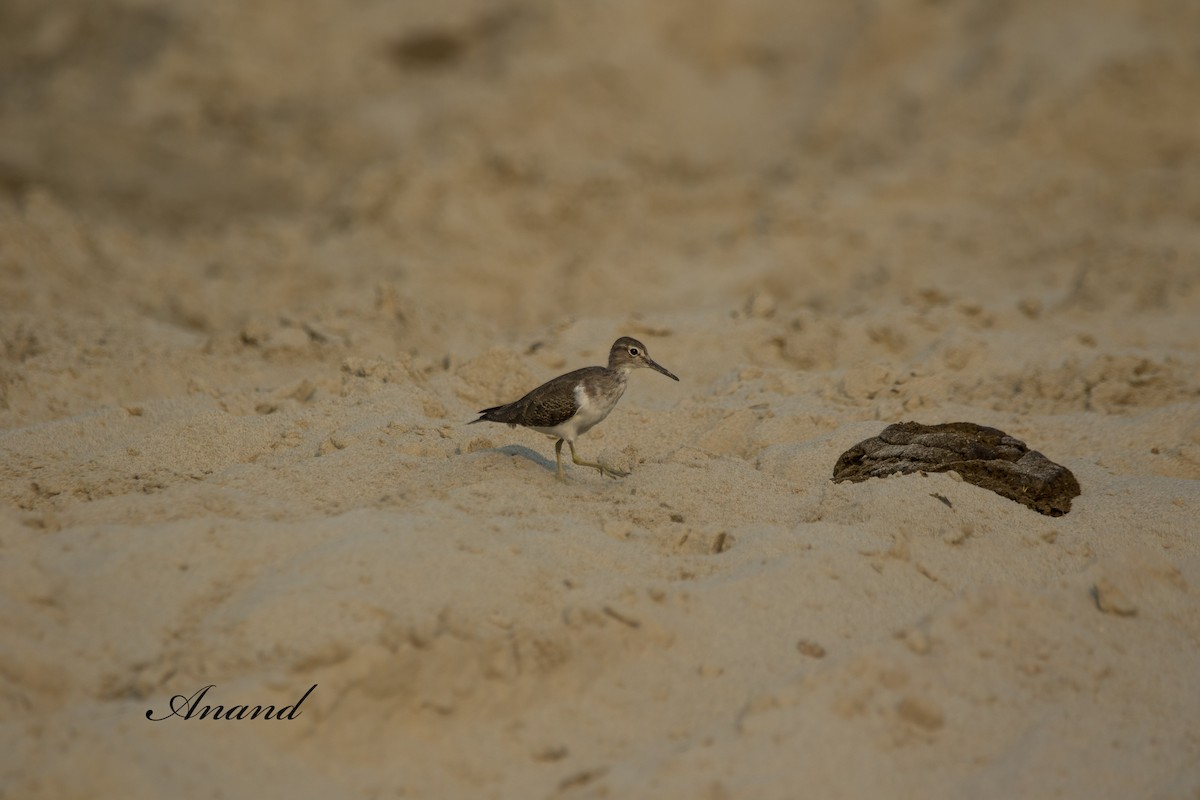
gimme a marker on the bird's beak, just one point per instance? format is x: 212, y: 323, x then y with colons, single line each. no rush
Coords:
x: 654, y: 365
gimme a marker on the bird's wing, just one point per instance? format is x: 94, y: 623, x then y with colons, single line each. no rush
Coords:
x: 552, y: 403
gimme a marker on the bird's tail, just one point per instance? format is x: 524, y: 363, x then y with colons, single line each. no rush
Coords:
x: 494, y: 414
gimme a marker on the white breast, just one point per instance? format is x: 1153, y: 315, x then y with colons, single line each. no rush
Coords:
x: 591, y: 411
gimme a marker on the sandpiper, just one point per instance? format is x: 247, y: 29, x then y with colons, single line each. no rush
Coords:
x: 570, y: 405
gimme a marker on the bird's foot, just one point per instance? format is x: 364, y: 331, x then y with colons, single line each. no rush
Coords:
x: 613, y: 472
x: 604, y: 469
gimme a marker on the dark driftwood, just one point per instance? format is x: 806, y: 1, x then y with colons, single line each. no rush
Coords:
x: 983, y: 456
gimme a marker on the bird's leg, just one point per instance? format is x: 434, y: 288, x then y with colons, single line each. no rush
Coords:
x: 558, y: 459
x: 611, y: 472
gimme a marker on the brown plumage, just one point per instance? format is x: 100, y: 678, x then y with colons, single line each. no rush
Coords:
x: 568, y: 406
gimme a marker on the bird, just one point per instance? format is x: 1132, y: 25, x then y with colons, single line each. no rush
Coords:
x: 570, y: 405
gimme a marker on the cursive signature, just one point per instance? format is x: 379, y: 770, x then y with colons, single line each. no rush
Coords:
x: 189, y: 708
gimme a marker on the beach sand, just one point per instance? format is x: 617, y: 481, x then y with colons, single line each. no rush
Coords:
x: 260, y: 263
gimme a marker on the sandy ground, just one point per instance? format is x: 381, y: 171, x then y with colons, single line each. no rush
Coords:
x: 261, y: 262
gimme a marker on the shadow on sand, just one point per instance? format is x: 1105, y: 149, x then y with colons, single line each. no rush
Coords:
x: 524, y: 452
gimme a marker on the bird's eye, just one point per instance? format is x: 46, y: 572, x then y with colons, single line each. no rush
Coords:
x: 633, y: 351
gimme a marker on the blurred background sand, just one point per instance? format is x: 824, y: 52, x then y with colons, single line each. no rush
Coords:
x: 260, y: 262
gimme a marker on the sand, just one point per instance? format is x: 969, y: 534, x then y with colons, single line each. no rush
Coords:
x: 260, y: 263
